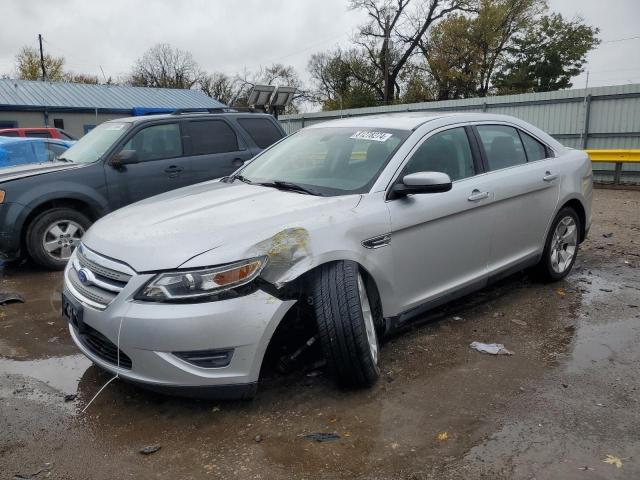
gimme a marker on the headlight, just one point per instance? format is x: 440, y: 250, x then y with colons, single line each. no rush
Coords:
x: 192, y: 284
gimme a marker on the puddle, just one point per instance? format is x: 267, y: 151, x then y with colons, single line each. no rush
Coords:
x: 60, y: 373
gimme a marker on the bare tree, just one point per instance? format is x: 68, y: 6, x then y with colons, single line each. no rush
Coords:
x: 163, y: 66
x: 28, y: 65
x: 392, y: 35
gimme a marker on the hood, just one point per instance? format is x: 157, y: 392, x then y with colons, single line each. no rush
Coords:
x: 31, y: 169
x: 165, y: 231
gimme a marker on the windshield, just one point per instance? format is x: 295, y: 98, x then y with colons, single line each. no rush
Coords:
x: 332, y: 161
x: 95, y: 143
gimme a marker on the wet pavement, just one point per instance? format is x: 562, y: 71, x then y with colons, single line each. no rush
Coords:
x: 567, y: 398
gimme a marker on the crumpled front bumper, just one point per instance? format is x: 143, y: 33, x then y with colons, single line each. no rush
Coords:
x: 149, y: 334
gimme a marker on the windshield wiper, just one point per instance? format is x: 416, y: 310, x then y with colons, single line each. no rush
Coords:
x: 290, y: 186
x: 63, y: 159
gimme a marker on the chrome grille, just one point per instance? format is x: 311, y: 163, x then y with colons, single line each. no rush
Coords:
x: 101, y: 270
x: 103, y: 278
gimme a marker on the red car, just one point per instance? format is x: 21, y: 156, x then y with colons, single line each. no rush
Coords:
x: 36, y: 132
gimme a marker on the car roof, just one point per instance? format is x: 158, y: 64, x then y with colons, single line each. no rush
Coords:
x: 190, y: 115
x: 5, y: 140
x: 410, y: 120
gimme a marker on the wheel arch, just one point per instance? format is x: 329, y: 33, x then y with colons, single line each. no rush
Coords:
x: 43, y: 205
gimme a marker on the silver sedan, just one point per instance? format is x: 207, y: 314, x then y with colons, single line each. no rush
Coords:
x: 349, y: 228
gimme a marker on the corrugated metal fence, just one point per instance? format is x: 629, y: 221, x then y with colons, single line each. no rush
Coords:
x: 598, y: 117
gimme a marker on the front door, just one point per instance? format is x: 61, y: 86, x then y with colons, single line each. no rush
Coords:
x: 441, y: 241
x: 160, y: 165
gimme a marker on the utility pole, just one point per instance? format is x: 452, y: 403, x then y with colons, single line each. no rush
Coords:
x: 385, y: 48
x: 44, y: 72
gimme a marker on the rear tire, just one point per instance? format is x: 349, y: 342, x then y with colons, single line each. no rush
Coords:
x: 561, y: 246
x: 53, y: 234
x: 347, y: 323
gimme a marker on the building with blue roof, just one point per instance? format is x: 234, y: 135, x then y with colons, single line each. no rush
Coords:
x: 77, y: 107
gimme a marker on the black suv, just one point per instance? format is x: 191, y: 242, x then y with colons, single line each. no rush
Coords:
x: 45, y: 208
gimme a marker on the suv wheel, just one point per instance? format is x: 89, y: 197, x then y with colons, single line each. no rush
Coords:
x: 561, y: 247
x: 53, y: 235
x: 347, y: 323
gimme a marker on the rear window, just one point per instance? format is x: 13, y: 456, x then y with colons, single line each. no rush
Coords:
x: 211, y: 136
x: 535, y: 150
x: 38, y: 134
x: 262, y: 130
x: 9, y: 134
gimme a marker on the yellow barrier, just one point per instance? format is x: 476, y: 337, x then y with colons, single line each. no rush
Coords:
x: 617, y: 156
x: 614, y: 155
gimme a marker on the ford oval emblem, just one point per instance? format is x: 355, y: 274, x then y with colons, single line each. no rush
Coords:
x: 84, y: 276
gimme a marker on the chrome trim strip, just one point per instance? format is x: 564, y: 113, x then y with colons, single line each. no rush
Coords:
x: 104, y: 261
x: 81, y: 298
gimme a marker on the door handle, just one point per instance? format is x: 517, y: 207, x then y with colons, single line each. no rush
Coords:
x: 237, y: 162
x: 477, y: 195
x: 173, y: 171
x: 549, y: 177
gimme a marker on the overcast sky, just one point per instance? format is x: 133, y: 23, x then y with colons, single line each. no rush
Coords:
x: 230, y: 35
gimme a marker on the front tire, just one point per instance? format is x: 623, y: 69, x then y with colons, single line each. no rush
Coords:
x: 53, y: 235
x: 561, y: 247
x: 347, y: 323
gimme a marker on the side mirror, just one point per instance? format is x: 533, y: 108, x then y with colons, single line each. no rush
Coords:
x: 422, y: 182
x: 124, y: 157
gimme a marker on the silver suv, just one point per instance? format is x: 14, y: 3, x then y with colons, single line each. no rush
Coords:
x: 351, y: 226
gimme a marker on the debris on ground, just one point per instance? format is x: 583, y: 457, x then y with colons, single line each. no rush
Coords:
x: 322, y: 437
x: 561, y: 292
x: 491, y: 348
x: 258, y: 438
x: 30, y: 476
x: 9, y: 297
x: 608, y: 290
x: 215, y: 409
x: 613, y: 460
x: 442, y: 436
x: 607, y: 235
x: 70, y: 397
x: 149, y: 449
x: 519, y: 322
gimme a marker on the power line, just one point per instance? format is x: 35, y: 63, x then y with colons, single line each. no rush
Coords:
x: 621, y: 39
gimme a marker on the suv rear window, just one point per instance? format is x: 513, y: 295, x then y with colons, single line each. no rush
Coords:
x: 262, y: 131
x: 211, y: 136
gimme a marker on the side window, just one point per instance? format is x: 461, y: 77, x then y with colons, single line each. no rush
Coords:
x: 38, y: 134
x: 502, y: 145
x: 55, y: 150
x: 535, y: 150
x: 448, y: 152
x: 9, y: 134
x: 156, y: 142
x: 211, y: 136
x: 262, y: 130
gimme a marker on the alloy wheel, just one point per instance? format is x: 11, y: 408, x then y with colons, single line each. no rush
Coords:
x: 367, y: 315
x: 564, y: 244
x: 61, y: 237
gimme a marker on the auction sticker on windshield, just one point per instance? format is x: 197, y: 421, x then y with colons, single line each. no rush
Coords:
x: 375, y: 136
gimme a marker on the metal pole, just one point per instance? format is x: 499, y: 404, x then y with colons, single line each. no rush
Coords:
x: 385, y: 46
x: 587, y: 114
x: 44, y: 72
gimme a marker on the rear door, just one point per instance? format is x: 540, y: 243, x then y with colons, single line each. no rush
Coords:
x: 214, y: 149
x: 440, y: 241
x: 526, y: 193
x: 160, y: 166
